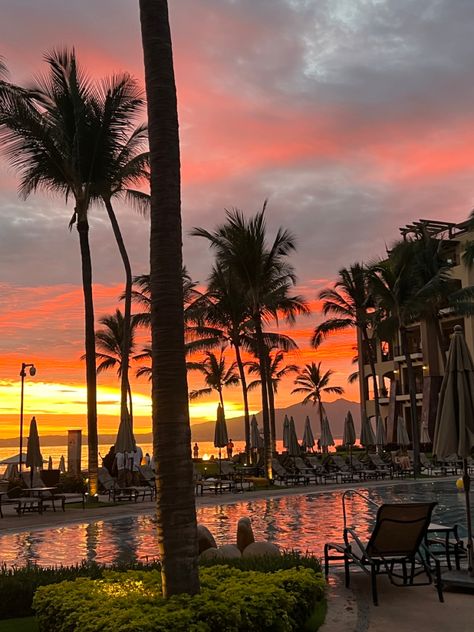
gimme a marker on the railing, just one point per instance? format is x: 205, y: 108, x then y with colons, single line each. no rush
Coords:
x: 411, y: 349
x: 357, y: 493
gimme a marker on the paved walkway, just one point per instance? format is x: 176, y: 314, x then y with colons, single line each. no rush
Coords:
x: 412, y: 609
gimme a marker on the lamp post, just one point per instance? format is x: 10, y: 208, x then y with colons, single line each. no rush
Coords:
x: 32, y: 372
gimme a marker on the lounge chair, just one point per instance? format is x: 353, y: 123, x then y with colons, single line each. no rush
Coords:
x: 381, y: 467
x: 429, y: 467
x: 51, y: 495
x: 451, y: 464
x: 117, y: 493
x: 281, y: 474
x: 345, y: 472
x: 324, y: 474
x: 306, y: 470
x: 394, y: 548
x: 364, y: 470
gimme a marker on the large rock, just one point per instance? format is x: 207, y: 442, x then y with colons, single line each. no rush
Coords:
x: 209, y: 554
x: 260, y: 549
x: 244, y: 533
x: 205, y: 539
x: 229, y: 552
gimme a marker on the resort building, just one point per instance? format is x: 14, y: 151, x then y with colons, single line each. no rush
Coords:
x: 424, y: 341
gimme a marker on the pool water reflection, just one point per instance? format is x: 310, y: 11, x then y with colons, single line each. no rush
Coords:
x: 303, y: 521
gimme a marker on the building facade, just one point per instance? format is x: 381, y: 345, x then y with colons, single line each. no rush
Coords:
x: 426, y: 346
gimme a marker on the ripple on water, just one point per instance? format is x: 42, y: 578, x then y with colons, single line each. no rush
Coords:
x: 302, y: 521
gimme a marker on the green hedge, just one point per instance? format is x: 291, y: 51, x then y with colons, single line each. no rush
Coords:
x: 230, y: 600
x: 18, y: 585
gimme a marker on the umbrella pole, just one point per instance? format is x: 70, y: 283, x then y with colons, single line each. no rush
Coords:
x: 220, y: 465
x: 467, y: 484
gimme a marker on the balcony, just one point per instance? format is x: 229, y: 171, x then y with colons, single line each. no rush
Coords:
x: 416, y: 353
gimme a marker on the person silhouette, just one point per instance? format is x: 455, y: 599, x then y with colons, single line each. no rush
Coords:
x: 195, y: 451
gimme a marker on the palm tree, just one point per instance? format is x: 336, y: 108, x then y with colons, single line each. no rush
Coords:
x: 217, y: 375
x: 141, y: 295
x: 314, y: 384
x: 221, y: 316
x: 348, y: 303
x: 124, y: 163
x: 397, y: 291
x: 275, y: 373
x: 51, y: 137
x: 176, y: 510
x: 266, y: 279
x: 109, y: 342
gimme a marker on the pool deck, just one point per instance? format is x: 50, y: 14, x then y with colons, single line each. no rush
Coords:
x: 412, y: 609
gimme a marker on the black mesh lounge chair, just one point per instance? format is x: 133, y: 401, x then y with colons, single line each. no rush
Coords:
x: 305, y: 470
x: 395, y: 548
x: 283, y: 475
x: 324, y: 474
x: 428, y: 467
x: 381, y: 467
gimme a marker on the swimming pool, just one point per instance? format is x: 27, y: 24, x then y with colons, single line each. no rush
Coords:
x: 300, y: 521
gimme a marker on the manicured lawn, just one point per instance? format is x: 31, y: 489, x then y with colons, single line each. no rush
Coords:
x: 25, y: 624
x: 317, y: 618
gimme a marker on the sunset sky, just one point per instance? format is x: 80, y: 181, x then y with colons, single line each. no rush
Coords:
x: 353, y: 117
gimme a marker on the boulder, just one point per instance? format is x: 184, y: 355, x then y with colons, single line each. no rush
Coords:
x: 205, y: 539
x: 259, y: 549
x: 209, y: 554
x: 229, y: 551
x: 244, y: 533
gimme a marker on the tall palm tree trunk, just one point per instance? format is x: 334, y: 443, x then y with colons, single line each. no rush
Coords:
x: 415, y: 431
x: 243, y: 382
x: 124, y: 382
x: 267, y: 437
x: 371, y: 352
x: 91, y: 373
x: 176, y: 511
x: 271, y: 408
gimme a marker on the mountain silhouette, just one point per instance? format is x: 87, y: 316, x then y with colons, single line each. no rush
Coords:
x: 336, y: 412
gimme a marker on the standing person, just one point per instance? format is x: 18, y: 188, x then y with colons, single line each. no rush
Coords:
x: 147, y: 459
x: 120, y: 465
x: 230, y: 449
x: 108, y: 460
x: 195, y: 451
x: 137, y: 461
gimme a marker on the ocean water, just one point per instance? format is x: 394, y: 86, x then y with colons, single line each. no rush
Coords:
x: 206, y: 449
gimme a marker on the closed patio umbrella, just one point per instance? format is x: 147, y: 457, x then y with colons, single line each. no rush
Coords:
x: 425, y: 438
x: 286, y: 430
x: 293, y: 445
x: 50, y: 463
x: 454, y: 428
x: 308, y: 437
x: 326, y: 436
x: 349, y: 436
x: 125, y: 442
x: 367, y: 437
x: 380, y: 436
x: 221, y: 438
x: 256, y: 441
x: 403, y: 439
x: 62, y: 465
x: 33, y: 453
